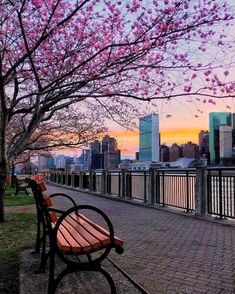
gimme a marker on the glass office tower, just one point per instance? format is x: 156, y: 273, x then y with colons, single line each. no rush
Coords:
x: 149, y: 138
x: 216, y: 119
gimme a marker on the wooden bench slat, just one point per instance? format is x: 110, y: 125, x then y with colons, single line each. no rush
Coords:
x: 117, y: 240
x: 92, y: 240
x: 86, y: 225
x: 66, y: 242
x: 79, y: 238
x: 62, y: 242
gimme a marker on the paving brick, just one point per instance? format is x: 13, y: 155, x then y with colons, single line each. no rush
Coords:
x: 166, y: 252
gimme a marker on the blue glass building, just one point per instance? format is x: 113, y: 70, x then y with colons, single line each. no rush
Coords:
x: 216, y: 119
x: 149, y: 138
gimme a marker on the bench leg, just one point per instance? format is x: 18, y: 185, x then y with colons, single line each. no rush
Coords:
x: 51, y: 284
x: 109, y: 279
x: 44, y: 255
x: 38, y: 238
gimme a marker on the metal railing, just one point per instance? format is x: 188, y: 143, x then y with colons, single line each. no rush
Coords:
x: 114, y: 183
x: 180, y: 188
x: 221, y: 192
x: 137, y: 185
x: 97, y: 181
x: 176, y: 188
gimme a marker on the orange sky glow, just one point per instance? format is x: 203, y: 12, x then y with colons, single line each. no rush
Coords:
x: 128, y: 142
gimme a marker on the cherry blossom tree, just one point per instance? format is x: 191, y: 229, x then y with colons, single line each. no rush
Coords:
x: 56, y: 53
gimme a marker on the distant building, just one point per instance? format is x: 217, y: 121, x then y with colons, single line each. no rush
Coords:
x: 216, y: 119
x: 137, y: 156
x: 203, y: 139
x: 96, y: 155
x: 125, y: 163
x: 225, y: 134
x: 164, y: 153
x: 61, y: 162
x: 111, y: 155
x: 45, y: 161
x: 191, y: 150
x: 86, y: 159
x: 175, y: 152
x: 140, y: 165
x: 233, y: 136
x: 149, y: 138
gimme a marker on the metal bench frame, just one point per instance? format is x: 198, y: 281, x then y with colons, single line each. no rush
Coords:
x: 20, y: 185
x: 44, y: 220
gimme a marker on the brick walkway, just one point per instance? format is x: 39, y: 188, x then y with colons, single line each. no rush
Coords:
x: 169, y: 253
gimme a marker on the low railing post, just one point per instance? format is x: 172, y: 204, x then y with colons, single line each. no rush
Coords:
x: 104, y: 183
x: 123, y: 185
x: 67, y: 179
x: 187, y: 191
x: 129, y: 184
x: 108, y: 181
x: 201, y: 191
x: 81, y: 179
x: 145, y: 186
x: 163, y: 187
x: 152, y: 187
x: 72, y: 179
x: 220, y: 195
x: 91, y: 180
x: 57, y: 178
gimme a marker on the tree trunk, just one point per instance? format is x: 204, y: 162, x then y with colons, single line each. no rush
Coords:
x: 3, y: 180
x: 3, y: 164
x: 12, y: 175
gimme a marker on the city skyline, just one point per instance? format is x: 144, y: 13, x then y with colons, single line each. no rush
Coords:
x: 183, y: 126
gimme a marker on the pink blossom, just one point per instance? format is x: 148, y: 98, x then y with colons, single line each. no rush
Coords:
x: 37, y: 3
x: 187, y: 89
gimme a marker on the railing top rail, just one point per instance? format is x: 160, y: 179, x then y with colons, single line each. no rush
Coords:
x: 221, y: 168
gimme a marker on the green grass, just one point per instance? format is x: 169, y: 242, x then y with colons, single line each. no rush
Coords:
x: 21, y: 199
x: 16, y: 234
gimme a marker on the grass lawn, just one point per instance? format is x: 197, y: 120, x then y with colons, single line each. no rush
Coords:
x: 16, y: 234
x: 21, y: 199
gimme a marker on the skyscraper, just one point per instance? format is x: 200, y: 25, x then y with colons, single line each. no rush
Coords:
x: 191, y: 150
x: 149, y: 138
x: 225, y: 144
x: 216, y: 119
x: 203, y: 139
x: 175, y: 152
x: 96, y: 155
x: 111, y: 155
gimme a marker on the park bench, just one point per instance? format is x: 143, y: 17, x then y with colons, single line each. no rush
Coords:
x: 20, y: 185
x: 81, y: 243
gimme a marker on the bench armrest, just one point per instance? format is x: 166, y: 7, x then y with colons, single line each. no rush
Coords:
x: 56, y: 210
x: 63, y: 195
x: 75, y: 210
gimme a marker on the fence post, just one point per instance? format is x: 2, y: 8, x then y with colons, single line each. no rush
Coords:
x: 104, y: 182
x: 72, y: 179
x: 152, y: 186
x: 91, y: 180
x: 201, y: 191
x: 81, y: 179
x: 123, y: 185
x: 57, y: 177
x: 66, y: 179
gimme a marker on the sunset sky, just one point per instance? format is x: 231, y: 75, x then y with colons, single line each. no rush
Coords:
x: 184, y: 124
x: 180, y: 122
x: 181, y: 119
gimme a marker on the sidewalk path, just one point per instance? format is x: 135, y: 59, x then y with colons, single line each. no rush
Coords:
x: 166, y: 252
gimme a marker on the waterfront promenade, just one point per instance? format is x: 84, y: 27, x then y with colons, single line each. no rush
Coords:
x: 167, y: 252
